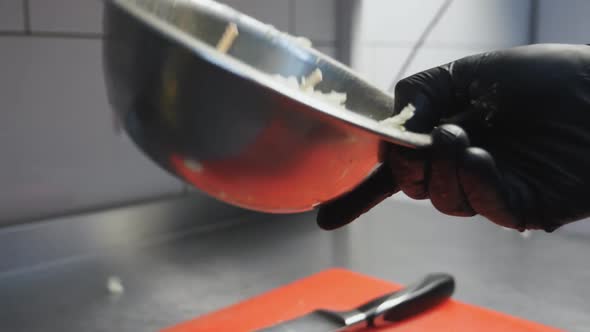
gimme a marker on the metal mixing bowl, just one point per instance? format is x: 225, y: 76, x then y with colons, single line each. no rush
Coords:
x: 221, y: 123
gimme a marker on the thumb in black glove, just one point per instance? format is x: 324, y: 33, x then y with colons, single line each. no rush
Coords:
x: 511, y: 140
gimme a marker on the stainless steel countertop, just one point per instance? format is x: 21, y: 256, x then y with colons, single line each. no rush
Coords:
x: 179, y: 275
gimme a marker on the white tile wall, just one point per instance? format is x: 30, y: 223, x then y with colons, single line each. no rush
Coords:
x: 81, y: 16
x: 564, y: 21
x: 362, y: 60
x: 489, y: 23
x: 328, y: 50
x: 388, y: 61
x: 380, y: 64
x: 467, y: 22
x: 11, y: 15
x: 315, y: 19
x: 385, y: 31
x: 59, y: 149
x: 274, y: 12
x: 382, y: 21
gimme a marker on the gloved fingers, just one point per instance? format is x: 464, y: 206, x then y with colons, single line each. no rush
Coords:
x: 444, y: 187
x: 409, y: 168
x: 431, y: 93
x: 485, y: 189
x: 349, y: 207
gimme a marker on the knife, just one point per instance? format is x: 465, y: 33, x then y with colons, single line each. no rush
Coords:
x: 388, y: 309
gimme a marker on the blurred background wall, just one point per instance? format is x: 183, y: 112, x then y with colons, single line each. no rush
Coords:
x: 60, y: 152
x: 385, y: 31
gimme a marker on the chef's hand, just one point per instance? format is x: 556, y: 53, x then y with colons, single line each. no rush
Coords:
x: 511, y: 141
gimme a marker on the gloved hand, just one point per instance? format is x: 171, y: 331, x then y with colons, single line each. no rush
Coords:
x: 511, y: 141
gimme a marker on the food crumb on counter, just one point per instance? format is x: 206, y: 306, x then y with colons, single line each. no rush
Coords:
x: 115, y: 285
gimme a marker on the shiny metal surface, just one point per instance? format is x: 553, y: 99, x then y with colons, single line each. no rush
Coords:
x: 223, y: 124
x: 170, y: 277
x: 386, y: 310
x: 317, y: 321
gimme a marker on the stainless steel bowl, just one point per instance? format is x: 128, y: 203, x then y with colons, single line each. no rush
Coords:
x: 222, y: 123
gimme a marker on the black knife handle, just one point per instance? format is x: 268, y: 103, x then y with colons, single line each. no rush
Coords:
x: 415, y: 299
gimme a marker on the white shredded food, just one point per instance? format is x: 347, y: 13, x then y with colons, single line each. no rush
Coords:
x: 308, y: 85
x: 311, y: 81
x: 302, y: 41
x: 115, y: 286
x: 399, y: 121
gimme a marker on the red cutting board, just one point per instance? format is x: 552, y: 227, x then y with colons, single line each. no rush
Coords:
x: 342, y: 290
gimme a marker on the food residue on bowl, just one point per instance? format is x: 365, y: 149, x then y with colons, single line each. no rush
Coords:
x: 399, y: 121
x: 306, y: 85
x: 302, y: 41
x: 309, y: 83
x: 228, y: 38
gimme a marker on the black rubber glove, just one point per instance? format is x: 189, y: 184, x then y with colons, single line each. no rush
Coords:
x: 511, y: 141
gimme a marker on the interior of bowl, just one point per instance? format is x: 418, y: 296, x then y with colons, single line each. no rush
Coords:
x: 260, y: 47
